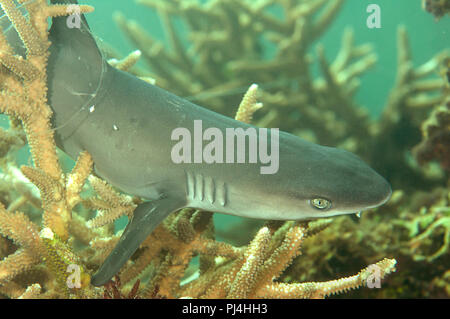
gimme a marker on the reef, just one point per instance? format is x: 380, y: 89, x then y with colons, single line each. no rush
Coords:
x: 210, y: 61
x: 435, y: 143
x: 438, y: 8
x: 57, y: 225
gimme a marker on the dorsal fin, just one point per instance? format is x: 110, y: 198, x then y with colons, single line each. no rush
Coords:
x: 76, y: 36
x: 76, y: 71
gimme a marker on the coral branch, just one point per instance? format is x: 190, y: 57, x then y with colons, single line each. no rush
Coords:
x: 323, y: 289
x: 27, y: 33
x: 26, y: 235
x: 249, y: 105
x: 225, y: 36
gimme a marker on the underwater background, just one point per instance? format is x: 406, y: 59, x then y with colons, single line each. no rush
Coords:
x: 427, y: 37
x: 382, y: 93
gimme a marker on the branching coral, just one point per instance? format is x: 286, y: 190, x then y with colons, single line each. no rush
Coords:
x: 227, y: 45
x: 398, y: 130
x: 25, y: 235
x: 159, y: 267
x: 219, y: 63
x: 110, y: 205
x: 416, y: 235
x: 23, y: 95
x: 255, y: 270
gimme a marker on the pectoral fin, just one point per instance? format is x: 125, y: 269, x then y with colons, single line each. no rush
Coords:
x: 146, y: 217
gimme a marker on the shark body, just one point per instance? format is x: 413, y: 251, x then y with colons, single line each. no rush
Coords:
x: 126, y: 126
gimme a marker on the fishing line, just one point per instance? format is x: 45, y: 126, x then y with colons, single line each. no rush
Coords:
x: 93, y: 95
x: 7, y: 28
x: 6, y: 25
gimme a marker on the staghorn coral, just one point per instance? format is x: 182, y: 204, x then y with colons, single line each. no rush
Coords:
x: 25, y: 234
x: 249, y: 105
x: 220, y: 50
x: 255, y: 270
x: 417, y: 236
x: 79, y: 230
x: 40, y: 266
x: 23, y: 95
x: 224, y: 46
x: 109, y: 205
x: 415, y: 93
x: 219, y: 63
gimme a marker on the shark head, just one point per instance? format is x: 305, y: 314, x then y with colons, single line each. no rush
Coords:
x: 316, y: 181
x: 340, y: 183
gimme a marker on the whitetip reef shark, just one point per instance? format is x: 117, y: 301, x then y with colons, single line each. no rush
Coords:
x: 126, y: 125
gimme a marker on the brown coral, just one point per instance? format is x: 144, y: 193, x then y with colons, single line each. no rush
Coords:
x: 224, y: 270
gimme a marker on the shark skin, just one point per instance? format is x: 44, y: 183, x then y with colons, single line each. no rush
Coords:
x: 126, y: 126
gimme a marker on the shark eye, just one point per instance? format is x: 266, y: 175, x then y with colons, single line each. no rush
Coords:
x: 320, y: 203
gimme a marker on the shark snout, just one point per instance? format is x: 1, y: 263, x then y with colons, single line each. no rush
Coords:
x: 370, y: 190
x: 355, y: 185
x: 382, y: 191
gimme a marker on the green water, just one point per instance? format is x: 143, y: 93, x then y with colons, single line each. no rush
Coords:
x: 427, y: 36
